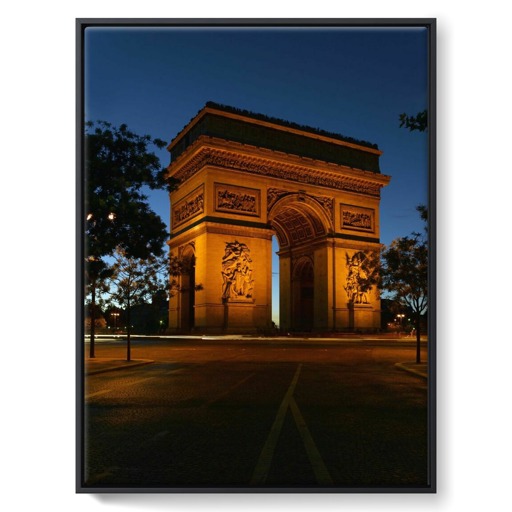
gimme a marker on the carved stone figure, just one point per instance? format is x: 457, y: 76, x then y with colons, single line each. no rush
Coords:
x: 328, y: 205
x: 355, y: 277
x: 273, y: 195
x: 237, y: 272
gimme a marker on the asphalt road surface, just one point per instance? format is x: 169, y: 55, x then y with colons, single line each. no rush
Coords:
x: 256, y: 415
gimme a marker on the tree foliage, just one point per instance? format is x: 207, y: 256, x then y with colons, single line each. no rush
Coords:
x: 419, y: 122
x: 404, y: 272
x: 118, y: 165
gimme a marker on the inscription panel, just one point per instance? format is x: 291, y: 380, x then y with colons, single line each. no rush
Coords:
x: 357, y: 218
x: 235, y: 199
x: 190, y: 206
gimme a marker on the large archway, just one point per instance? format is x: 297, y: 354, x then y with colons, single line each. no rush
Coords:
x: 245, y: 178
x: 302, y: 228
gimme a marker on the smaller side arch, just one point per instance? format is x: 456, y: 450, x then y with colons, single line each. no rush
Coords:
x: 303, y: 294
x: 187, y: 287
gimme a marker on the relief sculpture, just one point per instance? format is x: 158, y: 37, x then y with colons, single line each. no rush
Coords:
x: 357, y: 220
x: 273, y: 195
x: 328, y: 205
x: 237, y: 200
x: 353, y: 217
x: 357, y: 276
x: 188, y: 208
x: 238, y: 283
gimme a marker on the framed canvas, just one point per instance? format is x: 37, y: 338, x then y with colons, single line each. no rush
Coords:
x: 256, y: 255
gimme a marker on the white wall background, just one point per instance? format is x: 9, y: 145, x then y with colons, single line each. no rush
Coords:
x: 37, y: 215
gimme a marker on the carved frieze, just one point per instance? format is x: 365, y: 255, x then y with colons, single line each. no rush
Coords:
x: 235, y: 199
x: 264, y: 167
x: 188, y: 207
x: 357, y: 218
x: 238, y: 283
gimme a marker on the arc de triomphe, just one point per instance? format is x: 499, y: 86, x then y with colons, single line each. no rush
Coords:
x: 245, y: 177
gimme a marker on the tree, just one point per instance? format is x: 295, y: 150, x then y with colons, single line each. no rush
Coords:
x: 118, y: 165
x: 418, y: 122
x: 135, y: 281
x: 96, y: 274
x: 404, y: 274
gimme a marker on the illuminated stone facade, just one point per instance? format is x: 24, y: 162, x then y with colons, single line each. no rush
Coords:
x: 244, y: 178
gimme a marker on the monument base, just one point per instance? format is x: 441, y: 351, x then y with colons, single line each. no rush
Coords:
x: 361, y: 317
x: 244, y: 316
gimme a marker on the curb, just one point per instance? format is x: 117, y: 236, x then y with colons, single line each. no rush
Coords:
x: 129, y: 364
x: 404, y: 367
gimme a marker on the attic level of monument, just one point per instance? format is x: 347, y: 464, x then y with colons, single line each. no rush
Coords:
x: 221, y: 122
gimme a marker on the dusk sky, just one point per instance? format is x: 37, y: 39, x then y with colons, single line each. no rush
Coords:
x: 351, y: 81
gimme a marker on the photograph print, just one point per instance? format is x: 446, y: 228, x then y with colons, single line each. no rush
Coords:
x: 256, y: 259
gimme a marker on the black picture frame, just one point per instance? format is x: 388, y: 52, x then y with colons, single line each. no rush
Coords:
x: 82, y: 486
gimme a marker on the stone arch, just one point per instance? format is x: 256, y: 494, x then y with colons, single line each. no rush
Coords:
x: 187, y: 293
x: 303, y: 294
x: 298, y: 218
x: 303, y: 225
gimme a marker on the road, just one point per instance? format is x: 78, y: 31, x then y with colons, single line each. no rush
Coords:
x: 235, y: 414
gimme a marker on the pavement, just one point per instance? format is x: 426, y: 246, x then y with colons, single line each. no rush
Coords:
x: 420, y: 370
x: 102, y: 364
x: 105, y: 364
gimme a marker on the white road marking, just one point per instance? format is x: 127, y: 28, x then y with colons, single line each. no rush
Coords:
x: 131, y: 383
x: 319, y: 468
x: 97, y: 393
x: 267, y: 453
x: 264, y: 463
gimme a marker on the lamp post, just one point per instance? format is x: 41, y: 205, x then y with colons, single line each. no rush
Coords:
x: 115, y: 315
x: 400, y: 317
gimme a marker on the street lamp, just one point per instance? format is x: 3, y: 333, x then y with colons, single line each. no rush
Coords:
x: 400, y: 317
x: 115, y: 315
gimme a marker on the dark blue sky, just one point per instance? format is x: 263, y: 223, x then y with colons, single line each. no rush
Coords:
x: 351, y: 81
x: 346, y: 80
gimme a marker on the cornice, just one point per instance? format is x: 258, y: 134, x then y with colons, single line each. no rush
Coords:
x: 265, y: 162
